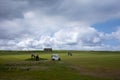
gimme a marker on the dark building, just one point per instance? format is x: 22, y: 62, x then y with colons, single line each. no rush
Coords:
x: 48, y: 50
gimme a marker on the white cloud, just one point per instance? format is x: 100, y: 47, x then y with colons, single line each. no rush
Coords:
x: 76, y: 38
x: 116, y: 34
x: 60, y: 25
x: 64, y: 39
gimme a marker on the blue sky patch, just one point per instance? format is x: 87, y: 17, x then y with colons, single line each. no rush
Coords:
x: 107, y: 26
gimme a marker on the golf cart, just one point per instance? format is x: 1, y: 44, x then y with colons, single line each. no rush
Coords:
x: 55, y: 57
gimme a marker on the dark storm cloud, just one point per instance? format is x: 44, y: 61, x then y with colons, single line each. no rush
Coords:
x: 75, y: 10
x: 10, y: 9
x: 48, y: 7
x: 42, y: 3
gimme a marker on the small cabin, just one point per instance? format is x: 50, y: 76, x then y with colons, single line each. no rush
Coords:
x: 47, y: 50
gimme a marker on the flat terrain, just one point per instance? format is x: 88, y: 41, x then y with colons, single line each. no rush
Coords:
x: 83, y: 65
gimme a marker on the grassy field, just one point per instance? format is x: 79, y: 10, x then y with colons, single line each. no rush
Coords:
x: 83, y: 65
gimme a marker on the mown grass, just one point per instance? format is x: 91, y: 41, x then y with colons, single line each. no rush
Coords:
x: 83, y: 65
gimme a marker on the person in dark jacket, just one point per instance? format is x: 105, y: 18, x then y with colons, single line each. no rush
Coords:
x: 37, y: 58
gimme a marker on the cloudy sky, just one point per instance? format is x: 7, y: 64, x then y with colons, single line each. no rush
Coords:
x: 60, y: 24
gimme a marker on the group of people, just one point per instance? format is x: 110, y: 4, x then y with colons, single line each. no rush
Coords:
x: 35, y: 56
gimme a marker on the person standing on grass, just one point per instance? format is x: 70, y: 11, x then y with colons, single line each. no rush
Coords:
x: 69, y: 53
x: 37, y: 58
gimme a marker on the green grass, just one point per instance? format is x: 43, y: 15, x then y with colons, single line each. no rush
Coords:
x: 83, y: 65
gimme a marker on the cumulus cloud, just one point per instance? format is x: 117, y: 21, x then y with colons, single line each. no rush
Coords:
x: 64, y: 39
x: 116, y: 34
x: 60, y: 24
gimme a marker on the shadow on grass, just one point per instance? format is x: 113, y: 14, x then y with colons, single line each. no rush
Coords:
x: 33, y: 59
